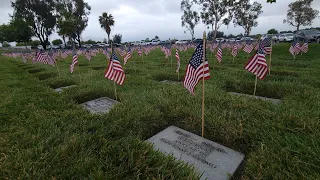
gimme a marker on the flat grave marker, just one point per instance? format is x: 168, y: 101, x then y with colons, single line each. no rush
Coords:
x: 215, y: 161
x: 274, y: 101
x: 59, y: 90
x: 100, y: 105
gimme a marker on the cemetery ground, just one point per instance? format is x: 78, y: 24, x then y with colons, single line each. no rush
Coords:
x: 45, y: 134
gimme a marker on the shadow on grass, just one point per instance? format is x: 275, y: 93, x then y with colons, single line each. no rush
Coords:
x: 270, y: 90
x: 46, y: 75
x: 59, y: 82
x: 35, y: 70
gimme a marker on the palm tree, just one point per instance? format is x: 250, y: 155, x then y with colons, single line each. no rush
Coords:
x: 106, y: 21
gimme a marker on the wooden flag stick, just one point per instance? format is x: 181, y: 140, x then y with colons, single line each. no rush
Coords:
x: 233, y: 59
x: 270, y: 58
x: 203, y: 61
x: 114, y: 81
x: 255, y: 86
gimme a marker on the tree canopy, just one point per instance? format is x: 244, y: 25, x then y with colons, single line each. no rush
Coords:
x: 57, y: 42
x: 190, y: 18
x: 117, y: 38
x: 301, y: 13
x: 106, y: 21
x: 273, y: 31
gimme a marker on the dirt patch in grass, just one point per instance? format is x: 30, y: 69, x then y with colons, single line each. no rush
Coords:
x: 57, y: 83
x: 35, y: 70
x: 46, y: 75
x: 270, y: 90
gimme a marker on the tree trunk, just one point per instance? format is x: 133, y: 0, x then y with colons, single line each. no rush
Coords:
x: 64, y: 40
x: 215, y: 29
x: 108, y: 38
x: 25, y: 44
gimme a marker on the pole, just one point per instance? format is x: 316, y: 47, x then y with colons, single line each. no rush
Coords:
x: 114, y: 82
x: 255, y: 86
x: 203, y: 61
x: 270, y: 58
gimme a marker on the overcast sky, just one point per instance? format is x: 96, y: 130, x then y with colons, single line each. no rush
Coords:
x: 139, y: 19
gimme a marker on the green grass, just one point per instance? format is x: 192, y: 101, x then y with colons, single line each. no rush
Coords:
x: 46, y: 135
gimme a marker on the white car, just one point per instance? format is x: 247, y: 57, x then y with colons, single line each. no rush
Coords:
x: 287, y: 37
x: 182, y: 42
x: 154, y: 42
x: 136, y: 43
x: 103, y: 45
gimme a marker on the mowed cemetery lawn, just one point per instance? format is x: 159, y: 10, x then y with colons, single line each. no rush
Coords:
x: 47, y: 135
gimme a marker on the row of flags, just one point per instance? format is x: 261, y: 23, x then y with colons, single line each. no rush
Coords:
x: 196, y: 69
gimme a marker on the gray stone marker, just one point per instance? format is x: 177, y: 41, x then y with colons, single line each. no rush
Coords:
x: 215, y: 161
x: 274, y: 101
x: 171, y: 82
x: 100, y: 105
x: 59, y: 90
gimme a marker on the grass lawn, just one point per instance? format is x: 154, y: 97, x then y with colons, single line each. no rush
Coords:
x: 47, y: 135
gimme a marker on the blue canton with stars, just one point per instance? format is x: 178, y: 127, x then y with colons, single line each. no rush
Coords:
x: 196, y: 59
x: 114, y: 57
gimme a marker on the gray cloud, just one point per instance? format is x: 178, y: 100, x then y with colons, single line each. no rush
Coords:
x: 139, y: 19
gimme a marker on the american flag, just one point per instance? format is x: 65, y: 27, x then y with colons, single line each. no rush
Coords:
x: 115, y: 71
x: 258, y: 64
x: 74, y: 60
x: 297, y: 47
x: 178, y: 60
x: 88, y: 55
x: 64, y: 54
x: 267, y: 45
x: 128, y: 56
x: 234, y: 51
x: 41, y: 57
x: 292, y: 48
x: 140, y: 52
x: 304, y: 48
x: 248, y: 47
x: 50, y: 58
x: 219, y: 53
x: 196, y: 69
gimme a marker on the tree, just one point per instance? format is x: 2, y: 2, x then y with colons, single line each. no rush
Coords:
x: 273, y: 31
x: 90, y: 41
x: 156, y: 37
x: 22, y: 31
x: 7, y: 33
x: 190, y: 18
x: 300, y: 13
x: 106, y: 21
x: 117, y: 38
x: 214, y: 13
x: 147, y: 40
x: 39, y: 15
x: 72, y: 18
x: 57, y: 42
x: 210, y: 35
x: 5, y: 44
x: 35, y: 43
x: 246, y: 15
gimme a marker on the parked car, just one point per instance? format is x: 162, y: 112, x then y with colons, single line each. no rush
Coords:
x: 136, y: 43
x: 313, y: 35
x: 287, y: 37
x: 55, y: 47
x: 103, y: 45
x: 182, y: 42
x: 197, y: 41
x: 246, y: 39
x: 154, y: 42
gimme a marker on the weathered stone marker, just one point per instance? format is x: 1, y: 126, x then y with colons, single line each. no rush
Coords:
x: 59, y: 90
x: 99, y: 106
x: 215, y: 161
x: 274, y: 101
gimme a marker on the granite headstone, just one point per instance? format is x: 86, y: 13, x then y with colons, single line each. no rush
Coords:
x: 99, y: 106
x: 215, y: 161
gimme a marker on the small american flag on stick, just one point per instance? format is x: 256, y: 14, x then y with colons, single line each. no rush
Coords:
x: 219, y: 53
x: 115, y: 71
x: 258, y: 64
x: 74, y: 61
x: 178, y: 60
x: 196, y: 69
x: 304, y: 48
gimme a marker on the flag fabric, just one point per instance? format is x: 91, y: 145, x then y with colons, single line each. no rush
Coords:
x: 41, y: 57
x: 219, y: 53
x: 267, y: 45
x: 297, y: 47
x: 115, y: 71
x: 196, y: 69
x: 248, y: 47
x: 74, y: 60
x: 128, y: 56
x: 178, y: 60
x: 234, y: 51
x: 88, y: 55
x: 304, y: 48
x: 293, y: 48
x: 140, y: 52
x: 257, y: 63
